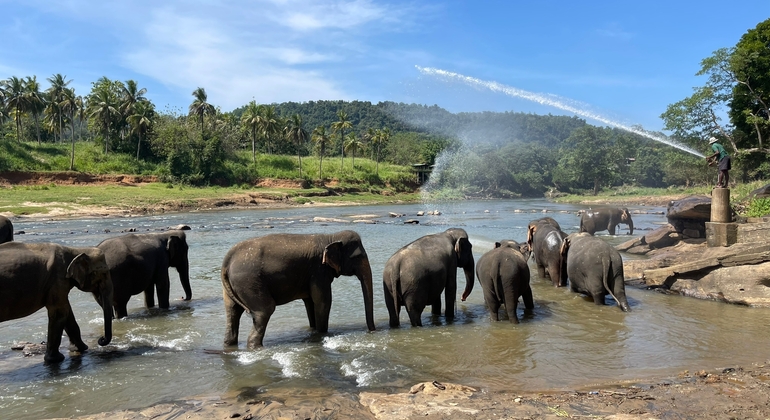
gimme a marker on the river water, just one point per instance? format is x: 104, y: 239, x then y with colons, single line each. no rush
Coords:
x: 159, y: 356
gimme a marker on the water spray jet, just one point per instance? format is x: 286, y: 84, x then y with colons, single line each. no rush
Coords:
x: 554, y: 101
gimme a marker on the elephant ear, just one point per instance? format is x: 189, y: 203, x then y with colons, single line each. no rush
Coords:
x: 498, y: 244
x: 78, y: 270
x: 333, y: 256
x: 564, y: 247
x: 462, y: 248
x: 174, y: 247
x: 624, y: 215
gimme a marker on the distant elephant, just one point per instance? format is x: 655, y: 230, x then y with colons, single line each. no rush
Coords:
x: 37, y: 275
x: 504, y: 277
x: 140, y: 262
x: 544, y: 236
x: 6, y: 230
x: 593, y: 221
x: 416, y: 275
x: 260, y: 273
x: 594, y: 268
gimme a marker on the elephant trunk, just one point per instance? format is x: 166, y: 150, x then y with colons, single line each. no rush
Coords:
x: 184, y: 277
x: 630, y: 226
x: 364, y: 274
x: 106, y: 301
x: 469, y: 279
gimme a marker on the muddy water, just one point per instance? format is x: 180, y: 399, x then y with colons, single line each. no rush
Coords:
x: 164, y: 355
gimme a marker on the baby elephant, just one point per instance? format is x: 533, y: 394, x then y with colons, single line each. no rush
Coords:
x: 504, y: 276
x: 606, y: 219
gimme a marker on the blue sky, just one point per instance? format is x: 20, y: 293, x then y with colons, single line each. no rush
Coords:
x: 624, y: 60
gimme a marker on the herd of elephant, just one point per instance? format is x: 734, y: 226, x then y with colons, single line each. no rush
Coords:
x: 261, y: 273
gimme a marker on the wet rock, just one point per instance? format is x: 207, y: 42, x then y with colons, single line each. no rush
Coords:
x: 19, y: 345
x: 179, y: 227
x: 365, y: 221
x: 329, y: 220
x: 631, y: 243
x: 431, y: 399
x: 412, y: 222
x: 33, y: 349
x: 421, y: 213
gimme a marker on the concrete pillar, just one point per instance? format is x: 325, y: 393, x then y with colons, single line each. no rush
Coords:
x: 720, y: 205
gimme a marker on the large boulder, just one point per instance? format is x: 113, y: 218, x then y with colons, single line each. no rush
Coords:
x: 695, y: 207
x: 762, y: 192
x: 662, y: 237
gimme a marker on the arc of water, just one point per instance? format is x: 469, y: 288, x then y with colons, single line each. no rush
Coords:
x: 551, y: 100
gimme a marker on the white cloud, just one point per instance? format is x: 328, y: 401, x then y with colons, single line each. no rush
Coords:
x: 614, y: 30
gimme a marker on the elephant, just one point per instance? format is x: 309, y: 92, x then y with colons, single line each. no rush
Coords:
x: 260, y: 273
x: 594, y: 268
x: 140, y: 262
x: 415, y: 275
x: 504, y: 277
x: 593, y: 221
x: 6, y: 230
x: 37, y: 275
x: 544, y: 236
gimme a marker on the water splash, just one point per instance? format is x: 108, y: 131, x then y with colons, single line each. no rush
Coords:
x: 554, y: 101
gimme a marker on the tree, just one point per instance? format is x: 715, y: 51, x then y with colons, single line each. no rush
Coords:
x: 321, y: 138
x: 103, y: 106
x: 55, y: 97
x: 34, y: 101
x: 250, y: 120
x: 297, y: 134
x: 141, y: 121
x: 352, y: 145
x: 15, y: 100
x: 380, y: 138
x: 589, y: 159
x: 269, y: 125
x: 340, y: 126
x: 200, y: 107
x: 69, y: 105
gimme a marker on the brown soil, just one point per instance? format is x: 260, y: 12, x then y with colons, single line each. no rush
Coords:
x: 70, y: 178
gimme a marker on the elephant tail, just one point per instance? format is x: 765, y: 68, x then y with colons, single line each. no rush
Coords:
x: 606, y: 267
x: 228, y: 289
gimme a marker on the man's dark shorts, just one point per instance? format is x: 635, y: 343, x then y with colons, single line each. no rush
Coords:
x: 725, y: 164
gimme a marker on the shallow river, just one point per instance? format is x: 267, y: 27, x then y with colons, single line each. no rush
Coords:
x: 165, y: 355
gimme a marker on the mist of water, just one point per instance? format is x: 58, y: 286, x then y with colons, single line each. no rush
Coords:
x: 554, y: 101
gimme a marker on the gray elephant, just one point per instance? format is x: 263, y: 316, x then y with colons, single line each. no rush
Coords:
x: 593, y: 221
x: 416, y: 275
x: 594, y: 268
x: 6, y: 230
x: 140, y: 262
x: 504, y: 277
x: 37, y: 275
x: 544, y: 236
x: 260, y: 273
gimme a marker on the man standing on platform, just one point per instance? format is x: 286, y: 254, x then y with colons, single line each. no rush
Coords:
x: 722, y: 159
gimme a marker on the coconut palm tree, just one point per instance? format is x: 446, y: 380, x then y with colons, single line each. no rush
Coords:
x: 269, y: 125
x: 81, y: 114
x: 130, y: 95
x: 55, y: 97
x: 321, y: 138
x: 3, y: 107
x: 35, y: 101
x: 69, y: 105
x: 103, y: 107
x: 340, y: 126
x: 15, y: 100
x: 250, y: 120
x: 200, y: 107
x: 297, y: 134
x: 141, y: 121
x: 381, y: 138
x: 352, y: 145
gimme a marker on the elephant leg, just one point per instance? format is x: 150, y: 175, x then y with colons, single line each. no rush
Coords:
x: 554, y: 268
x: 57, y: 319
x: 233, y: 312
x: 149, y: 295
x: 72, y: 329
x: 415, y: 314
x: 394, y: 308
x: 435, y: 306
x: 450, y: 295
x: 493, y: 304
x: 121, y: 307
x: 310, y: 309
x: 599, y: 298
x: 259, y: 319
x: 321, y: 294
x: 611, y: 229
x: 526, y: 295
x: 540, y: 270
x: 164, y: 289
x: 511, y: 303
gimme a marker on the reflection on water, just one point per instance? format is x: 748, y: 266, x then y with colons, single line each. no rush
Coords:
x: 160, y: 355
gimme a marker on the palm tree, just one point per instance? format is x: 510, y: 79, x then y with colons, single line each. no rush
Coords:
x: 81, y: 113
x: 3, y: 108
x: 380, y: 138
x: 339, y: 126
x: 200, y: 107
x: 353, y: 144
x: 14, y: 99
x: 56, y: 96
x: 69, y: 104
x: 297, y: 134
x: 103, y: 107
x: 141, y: 121
x: 35, y: 101
x: 321, y: 138
x: 130, y: 95
x: 269, y: 125
x: 250, y: 120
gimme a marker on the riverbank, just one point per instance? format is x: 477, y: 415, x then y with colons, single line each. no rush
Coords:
x: 722, y: 392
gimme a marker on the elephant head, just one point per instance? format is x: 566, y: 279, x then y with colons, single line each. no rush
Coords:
x: 524, y: 248
x: 566, y: 243
x: 625, y: 217
x: 533, y: 226
x: 347, y: 257
x: 176, y: 246
x: 90, y: 273
x: 464, y: 253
